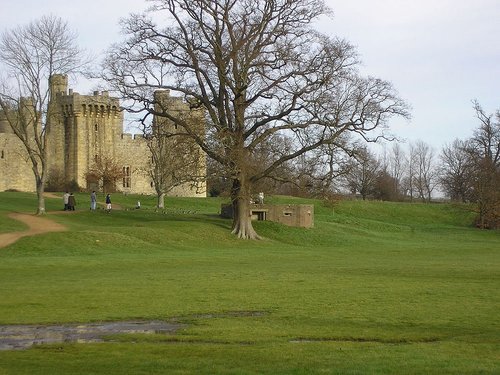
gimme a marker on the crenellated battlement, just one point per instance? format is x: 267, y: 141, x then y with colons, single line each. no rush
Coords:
x: 97, y: 105
x: 164, y: 100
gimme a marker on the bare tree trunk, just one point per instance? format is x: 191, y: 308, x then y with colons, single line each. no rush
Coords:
x: 242, y: 220
x: 160, y: 200
x: 482, y: 215
x: 41, y: 200
x: 39, y: 168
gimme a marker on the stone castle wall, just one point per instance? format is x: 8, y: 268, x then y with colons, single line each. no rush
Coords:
x: 15, y: 167
x: 82, y: 129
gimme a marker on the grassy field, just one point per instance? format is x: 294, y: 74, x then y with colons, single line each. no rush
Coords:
x: 373, y: 288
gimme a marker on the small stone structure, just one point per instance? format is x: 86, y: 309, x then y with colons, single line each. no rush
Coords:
x: 293, y: 215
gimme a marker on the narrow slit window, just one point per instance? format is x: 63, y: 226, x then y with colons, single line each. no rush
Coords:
x: 126, y: 177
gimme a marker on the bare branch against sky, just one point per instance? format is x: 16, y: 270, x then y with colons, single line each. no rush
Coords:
x: 439, y: 54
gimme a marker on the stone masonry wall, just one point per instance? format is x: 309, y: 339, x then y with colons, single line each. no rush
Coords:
x: 15, y: 167
x: 84, y: 128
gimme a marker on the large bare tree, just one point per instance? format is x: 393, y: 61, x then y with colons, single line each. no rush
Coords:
x: 470, y: 169
x: 31, y: 54
x: 486, y: 138
x: 260, y: 72
x: 457, y: 171
x: 398, y: 165
x: 362, y: 175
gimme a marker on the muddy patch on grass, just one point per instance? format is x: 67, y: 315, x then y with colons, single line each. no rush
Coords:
x: 16, y: 337
x: 364, y: 340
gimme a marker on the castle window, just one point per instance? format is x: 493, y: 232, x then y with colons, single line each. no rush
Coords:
x: 2, y: 155
x: 126, y: 177
x: 95, y: 127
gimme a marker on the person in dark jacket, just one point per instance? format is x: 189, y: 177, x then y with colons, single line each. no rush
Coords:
x: 108, y: 202
x: 71, y: 202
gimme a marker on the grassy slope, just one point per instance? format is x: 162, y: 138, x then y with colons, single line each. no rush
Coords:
x: 372, y: 288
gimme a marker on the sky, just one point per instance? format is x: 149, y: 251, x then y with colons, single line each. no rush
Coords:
x: 439, y: 54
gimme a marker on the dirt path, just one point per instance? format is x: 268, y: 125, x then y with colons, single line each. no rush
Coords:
x: 36, y: 224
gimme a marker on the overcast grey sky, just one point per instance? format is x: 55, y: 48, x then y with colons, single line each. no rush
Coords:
x: 439, y: 54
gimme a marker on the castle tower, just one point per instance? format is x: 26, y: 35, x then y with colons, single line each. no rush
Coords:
x: 182, y: 152
x: 82, y: 129
x: 163, y: 102
x: 58, y: 84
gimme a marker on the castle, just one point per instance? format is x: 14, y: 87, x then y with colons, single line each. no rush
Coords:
x: 87, y: 129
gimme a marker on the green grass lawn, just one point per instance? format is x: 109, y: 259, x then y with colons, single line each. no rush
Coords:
x: 373, y: 288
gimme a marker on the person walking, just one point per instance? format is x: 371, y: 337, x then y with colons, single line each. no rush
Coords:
x: 66, y: 200
x: 71, y: 202
x: 108, y: 202
x: 93, y: 201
